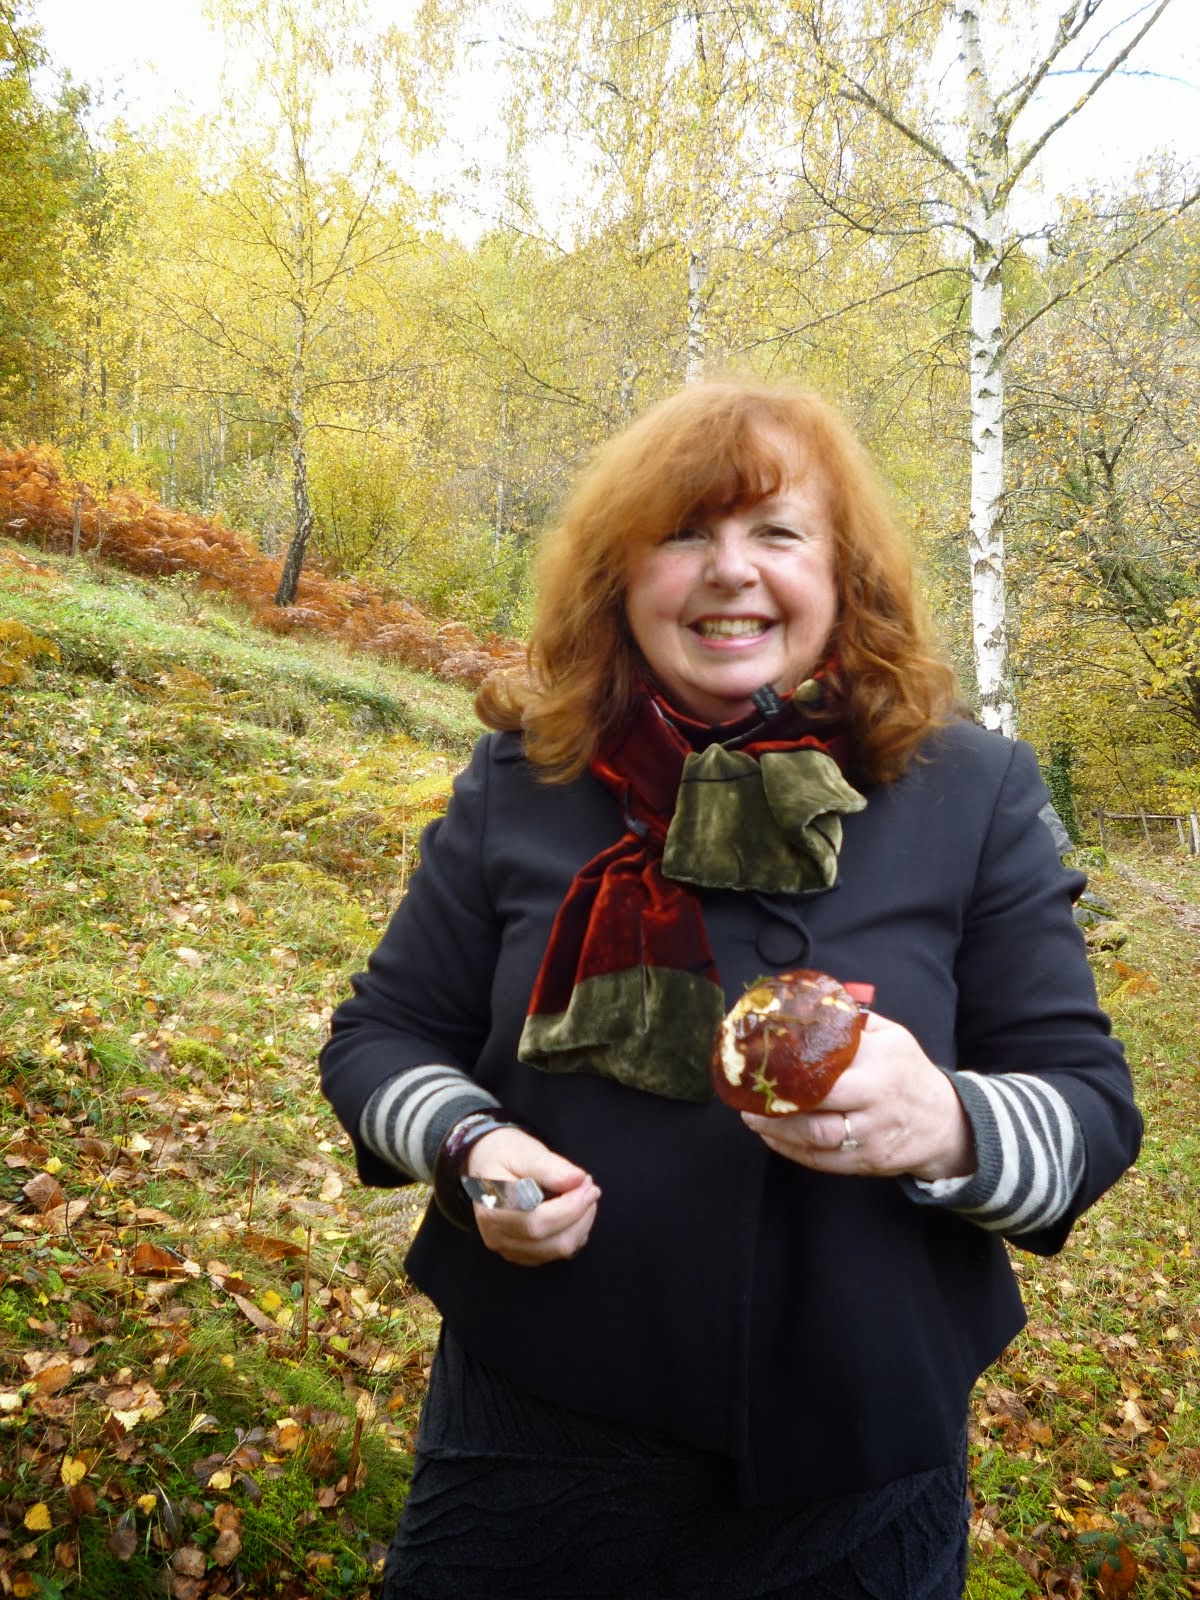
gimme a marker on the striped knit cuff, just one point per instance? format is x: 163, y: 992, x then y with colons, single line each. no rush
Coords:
x: 406, y: 1119
x: 1029, y: 1149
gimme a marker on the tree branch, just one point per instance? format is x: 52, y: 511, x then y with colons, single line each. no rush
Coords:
x: 1071, y: 24
x: 856, y: 93
x: 1105, y: 267
x: 1032, y: 151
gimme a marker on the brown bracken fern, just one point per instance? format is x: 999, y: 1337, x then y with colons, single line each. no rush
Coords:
x: 40, y: 505
x: 393, y: 1216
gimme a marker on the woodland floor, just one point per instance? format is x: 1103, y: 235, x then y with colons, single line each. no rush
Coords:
x: 210, y: 1364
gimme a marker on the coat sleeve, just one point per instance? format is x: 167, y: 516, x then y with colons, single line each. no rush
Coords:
x: 1028, y: 1013
x: 425, y: 995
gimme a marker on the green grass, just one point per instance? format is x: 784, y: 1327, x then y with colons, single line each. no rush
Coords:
x: 168, y: 642
x: 201, y: 835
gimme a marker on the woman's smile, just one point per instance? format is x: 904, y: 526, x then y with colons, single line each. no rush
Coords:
x: 725, y: 628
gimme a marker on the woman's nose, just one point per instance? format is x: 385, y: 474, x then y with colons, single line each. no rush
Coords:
x: 729, y: 564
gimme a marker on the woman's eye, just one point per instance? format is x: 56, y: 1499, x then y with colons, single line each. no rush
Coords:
x: 775, y: 531
x: 683, y: 536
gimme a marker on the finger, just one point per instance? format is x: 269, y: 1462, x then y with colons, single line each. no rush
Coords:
x: 554, y: 1215
x: 815, y: 1130
x: 526, y: 1239
x: 814, y: 1141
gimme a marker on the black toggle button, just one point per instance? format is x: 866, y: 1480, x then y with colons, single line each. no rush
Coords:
x: 782, y: 946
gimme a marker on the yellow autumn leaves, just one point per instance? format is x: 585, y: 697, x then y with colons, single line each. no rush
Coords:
x: 72, y: 1470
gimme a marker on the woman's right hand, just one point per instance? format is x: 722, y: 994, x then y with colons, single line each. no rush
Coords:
x: 556, y: 1229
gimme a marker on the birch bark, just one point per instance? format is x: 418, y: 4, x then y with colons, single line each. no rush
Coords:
x: 302, y: 525
x: 697, y: 293
x: 987, y: 155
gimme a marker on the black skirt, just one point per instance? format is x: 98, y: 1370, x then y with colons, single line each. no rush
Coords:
x: 515, y: 1499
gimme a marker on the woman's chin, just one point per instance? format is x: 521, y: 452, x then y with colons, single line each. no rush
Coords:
x: 715, y: 708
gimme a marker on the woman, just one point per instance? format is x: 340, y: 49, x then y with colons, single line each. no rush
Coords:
x: 726, y: 1355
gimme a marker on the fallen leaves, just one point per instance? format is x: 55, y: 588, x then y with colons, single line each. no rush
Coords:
x: 250, y: 1311
x: 129, y: 1406
x: 1133, y: 1422
x: 152, y: 1260
x: 123, y: 1540
x: 268, y: 1248
x: 228, y: 1544
x: 43, y: 1192
x: 51, y: 1371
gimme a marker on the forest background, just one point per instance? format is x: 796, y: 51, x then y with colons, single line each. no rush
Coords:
x: 322, y: 311
x: 333, y: 310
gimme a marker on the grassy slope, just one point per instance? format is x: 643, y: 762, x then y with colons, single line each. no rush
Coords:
x: 201, y: 833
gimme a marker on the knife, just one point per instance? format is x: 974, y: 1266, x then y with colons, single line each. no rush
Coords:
x: 504, y: 1194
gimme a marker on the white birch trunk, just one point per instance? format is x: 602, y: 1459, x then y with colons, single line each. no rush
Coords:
x: 697, y: 305
x: 699, y: 204
x: 135, y: 425
x: 302, y: 526
x: 501, y: 475
x: 988, y: 162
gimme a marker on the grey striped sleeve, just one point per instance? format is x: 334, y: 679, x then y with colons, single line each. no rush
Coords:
x: 406, y: 1119
x: 1029, y: 1150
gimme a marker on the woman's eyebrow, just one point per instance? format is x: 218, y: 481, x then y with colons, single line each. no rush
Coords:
x: 777, y: 509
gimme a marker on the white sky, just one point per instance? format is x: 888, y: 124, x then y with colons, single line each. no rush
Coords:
x: 148, y: 56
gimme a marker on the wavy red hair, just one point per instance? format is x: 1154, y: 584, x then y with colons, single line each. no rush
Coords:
x: 714, y: 446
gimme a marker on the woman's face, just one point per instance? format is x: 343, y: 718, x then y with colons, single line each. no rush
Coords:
x: 738, y: 599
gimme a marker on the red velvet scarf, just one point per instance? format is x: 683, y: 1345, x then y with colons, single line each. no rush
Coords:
x: 628, y: 987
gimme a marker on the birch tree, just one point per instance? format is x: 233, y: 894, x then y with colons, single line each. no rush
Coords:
x: 300, y: 212
x: 670, y: 109
x: 975, y: 165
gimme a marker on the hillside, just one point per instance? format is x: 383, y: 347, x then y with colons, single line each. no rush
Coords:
x: 41, y: 506
x: 202, y: 832
x: 209, y: 1362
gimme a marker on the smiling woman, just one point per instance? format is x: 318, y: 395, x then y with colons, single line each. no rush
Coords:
x: 723, y: 1353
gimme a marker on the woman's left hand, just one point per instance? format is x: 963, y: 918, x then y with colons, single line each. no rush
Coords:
x: 891, y: 1112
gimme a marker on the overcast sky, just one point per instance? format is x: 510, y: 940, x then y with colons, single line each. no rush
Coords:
x: 147, y: 56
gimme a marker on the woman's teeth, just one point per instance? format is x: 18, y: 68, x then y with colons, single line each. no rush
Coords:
x: 729, y: 627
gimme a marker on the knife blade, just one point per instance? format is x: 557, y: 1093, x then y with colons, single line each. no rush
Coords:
x: 504, y: 1194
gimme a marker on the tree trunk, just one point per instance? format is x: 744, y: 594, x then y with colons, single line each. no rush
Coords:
x: 501, y: 474
x: 986, y: 539
x: 988, y: 162
x: 293, y: 562
x: 697, y: 290
x: 135, y: 426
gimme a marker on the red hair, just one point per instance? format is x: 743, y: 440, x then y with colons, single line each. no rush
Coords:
x: 719, y: 445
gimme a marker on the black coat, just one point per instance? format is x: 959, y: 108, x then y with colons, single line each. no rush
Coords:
x: 823, y: 1330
